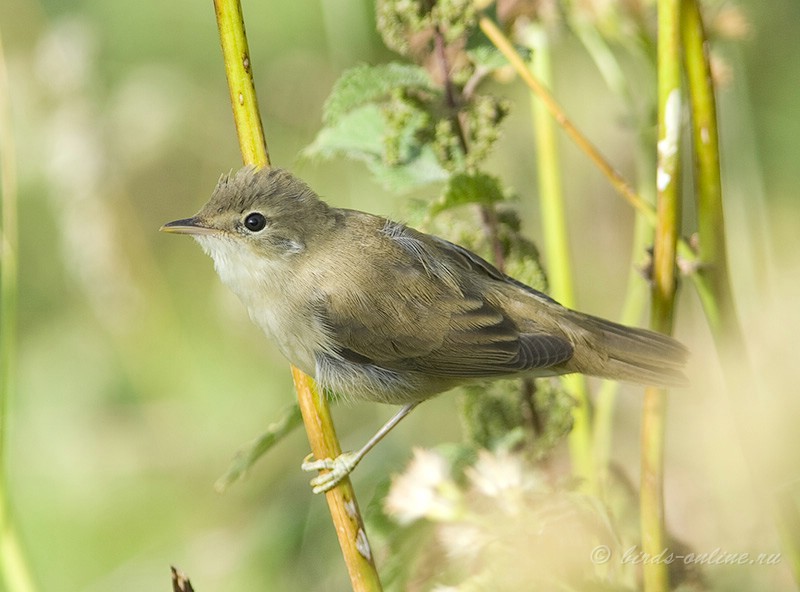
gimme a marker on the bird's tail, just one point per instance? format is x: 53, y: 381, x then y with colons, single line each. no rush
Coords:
x: 633, y: 354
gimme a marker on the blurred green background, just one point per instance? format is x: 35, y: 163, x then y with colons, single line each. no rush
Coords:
x: 140, y: 375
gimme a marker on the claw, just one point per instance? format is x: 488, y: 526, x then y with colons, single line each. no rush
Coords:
x: 310, y: 464
x: 338, y: 468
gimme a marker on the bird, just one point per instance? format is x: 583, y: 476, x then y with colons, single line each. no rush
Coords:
x: 375, y: 310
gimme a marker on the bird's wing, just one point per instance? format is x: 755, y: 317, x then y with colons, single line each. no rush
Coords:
x: 435, y: 322
x: 480, y: 266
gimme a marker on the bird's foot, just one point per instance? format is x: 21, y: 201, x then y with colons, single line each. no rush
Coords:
x: 338, y: 468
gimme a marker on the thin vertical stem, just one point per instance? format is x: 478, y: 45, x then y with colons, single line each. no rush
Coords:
x: 8, y: 267
x: 341, y: 499
x: 313, y: 404
x: 239, y: 73
x: 713, y: 259
x: 668, y: 210
x: 556, y: 240
x: 14, y: 570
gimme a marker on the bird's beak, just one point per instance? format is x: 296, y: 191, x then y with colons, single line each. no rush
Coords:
x: 187, y: 226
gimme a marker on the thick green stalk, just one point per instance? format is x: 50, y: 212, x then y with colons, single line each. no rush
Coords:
x: 14, y: 570
x: 556, y: 241
x: 718, y: 303
x: 668, y: 209
x: 708, y: 182
x: 313, y: 404
x: 342, y: 501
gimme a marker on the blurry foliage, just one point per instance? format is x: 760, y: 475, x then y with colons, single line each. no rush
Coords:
x: 419, y: 109
x: 498, y: 525
x: 140, y: 376
x: 377, y: 114
x: 534, y: 423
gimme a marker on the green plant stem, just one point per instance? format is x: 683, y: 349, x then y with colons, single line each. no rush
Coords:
x: 668, y: 208
x: 239, y: 72
x: 603, y: 57
x: 313, y: 404
x: 502, y: 43
x: 341, y: 499
x: 623, y: 188
x: 15, y: 572
x: 713, y: 262
x: 651, y: 490
x: 8, y: 271
x: 559, y: 263
x: 636, y: 300
x: 719, y: 303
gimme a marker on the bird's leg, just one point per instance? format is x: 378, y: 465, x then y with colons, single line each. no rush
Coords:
x: 340, y: 467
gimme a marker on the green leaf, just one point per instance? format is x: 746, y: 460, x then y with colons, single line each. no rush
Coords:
x: 486, y: 55
x: 368, y: 84
x: 423, y: 169
x: 358, y: 134
x: 466, y: 188
x: 361, y: 135
x: 246, y: 458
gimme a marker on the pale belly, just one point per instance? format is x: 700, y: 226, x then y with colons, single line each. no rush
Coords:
x: 298, y: 342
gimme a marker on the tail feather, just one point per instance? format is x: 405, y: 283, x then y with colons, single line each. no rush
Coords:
x: 642, y: 373
x: 635, y: 355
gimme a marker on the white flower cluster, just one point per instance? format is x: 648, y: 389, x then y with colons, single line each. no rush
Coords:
x: 505, y: 528
x: 425, y: 490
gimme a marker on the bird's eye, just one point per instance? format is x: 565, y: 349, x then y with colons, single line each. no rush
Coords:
x: 255, y: 222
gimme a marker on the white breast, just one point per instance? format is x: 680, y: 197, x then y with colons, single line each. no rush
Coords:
x: 269, y: 290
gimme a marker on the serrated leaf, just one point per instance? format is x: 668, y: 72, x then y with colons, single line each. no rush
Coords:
x: 365, y: 84
x: 465, y: 188
x: 360, y: 135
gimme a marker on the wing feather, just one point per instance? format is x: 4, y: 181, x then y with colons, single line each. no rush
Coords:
x: 440, y: 323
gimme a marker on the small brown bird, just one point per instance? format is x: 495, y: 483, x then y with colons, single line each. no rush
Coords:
x: 378, y: 311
